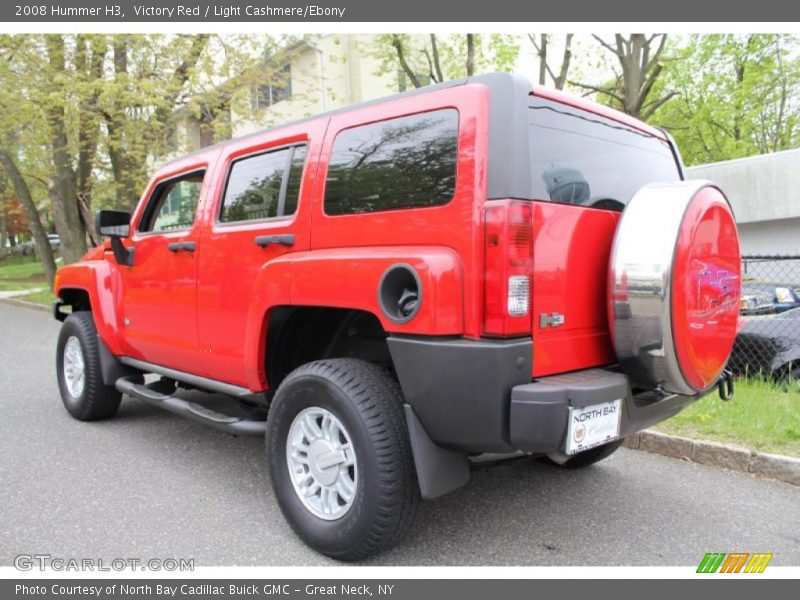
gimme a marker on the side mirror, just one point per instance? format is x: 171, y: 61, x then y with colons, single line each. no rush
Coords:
x: 113, y: 223
x: 116, y: 224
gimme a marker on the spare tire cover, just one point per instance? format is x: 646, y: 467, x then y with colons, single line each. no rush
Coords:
x: 674, y: 286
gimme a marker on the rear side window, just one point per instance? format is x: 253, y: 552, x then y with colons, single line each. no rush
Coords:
x: 581, y: 158
x: 408, y: 162
x: 264, y: 186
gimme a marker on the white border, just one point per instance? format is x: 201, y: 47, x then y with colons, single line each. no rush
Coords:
x: 381, y: 572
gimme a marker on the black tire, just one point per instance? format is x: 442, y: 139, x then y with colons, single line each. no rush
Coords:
x: 368, y: 403
x: 96, y: 401
x: 590, y: 457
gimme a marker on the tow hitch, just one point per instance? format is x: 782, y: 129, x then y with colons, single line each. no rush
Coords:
x: 725, y: 385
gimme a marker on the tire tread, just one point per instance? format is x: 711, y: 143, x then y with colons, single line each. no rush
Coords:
x: 377, y: 397
x: 99, y: 401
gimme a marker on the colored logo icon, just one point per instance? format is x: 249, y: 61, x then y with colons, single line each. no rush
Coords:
x: 734, y: 562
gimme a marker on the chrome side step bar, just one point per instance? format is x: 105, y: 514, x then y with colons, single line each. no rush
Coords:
x: 150, y: 394
x: 195, y: 380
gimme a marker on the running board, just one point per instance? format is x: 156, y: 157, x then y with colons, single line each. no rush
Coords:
x: 193, y: 410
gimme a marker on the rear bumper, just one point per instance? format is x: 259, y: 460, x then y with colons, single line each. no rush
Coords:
x: 477, y: 395
x: 539, y: 411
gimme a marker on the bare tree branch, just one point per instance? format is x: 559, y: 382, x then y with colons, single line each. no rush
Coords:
x: 654, y: 106
x: 397, y: 44
x: 436, y: 64
x: 606, y: 44
x: 599, y: 90
x: 431, y: 74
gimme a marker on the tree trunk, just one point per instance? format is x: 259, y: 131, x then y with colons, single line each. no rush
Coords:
x: 639, y: 61
x: 397, y: 44
x: 125, y: 189
x: 62, y: 189
x: 437, y: 65
x: 3, y: 229
x: 470, y: 54
x: 91, y: 70
x: 561, y: 80
x: 37, y: 230
x: 129, y: 170
x: 542, y: 59
x: 541, y: 47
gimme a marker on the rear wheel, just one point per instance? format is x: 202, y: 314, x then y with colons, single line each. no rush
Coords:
x: 80, y: 379
x: 589, y: 457
x: 340, y: 459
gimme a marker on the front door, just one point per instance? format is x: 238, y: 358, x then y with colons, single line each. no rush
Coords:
x: 160, y: 289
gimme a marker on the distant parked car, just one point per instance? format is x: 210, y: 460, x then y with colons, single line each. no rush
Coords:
x: 756, y: 301
x: 28, y: 248
x: 783, y: 297
x: 769, y: 345
x: 25, y: 248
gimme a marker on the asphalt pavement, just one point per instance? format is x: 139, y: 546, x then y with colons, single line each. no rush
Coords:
x: 149, y: 484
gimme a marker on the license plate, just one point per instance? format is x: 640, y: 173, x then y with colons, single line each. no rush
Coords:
x: 591, y: 426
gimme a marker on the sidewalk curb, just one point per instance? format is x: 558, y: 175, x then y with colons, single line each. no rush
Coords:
x: 714, y: 454
x: 25, y: 304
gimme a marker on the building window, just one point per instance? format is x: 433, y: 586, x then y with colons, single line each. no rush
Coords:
x: 278, y: 89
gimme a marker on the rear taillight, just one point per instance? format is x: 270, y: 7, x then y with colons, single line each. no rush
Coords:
x: 508, y: 255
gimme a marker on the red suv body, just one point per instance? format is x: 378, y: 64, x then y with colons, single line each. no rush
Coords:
x: 471, y: 239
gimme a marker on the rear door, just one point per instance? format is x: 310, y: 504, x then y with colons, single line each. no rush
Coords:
x: 261, y: 210
x: 585, y: 168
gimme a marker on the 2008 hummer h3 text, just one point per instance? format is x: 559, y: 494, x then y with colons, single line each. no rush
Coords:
x: 482, y: 266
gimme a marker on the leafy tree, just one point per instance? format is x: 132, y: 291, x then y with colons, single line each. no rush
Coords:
x: 20, y: 187
x: 82, y: 111
x: 542, y: 45
x: 737, y: 95
x: 423, y: 60
x: 639, y: 64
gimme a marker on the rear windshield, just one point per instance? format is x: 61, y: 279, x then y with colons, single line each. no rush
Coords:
x: 581, y: 158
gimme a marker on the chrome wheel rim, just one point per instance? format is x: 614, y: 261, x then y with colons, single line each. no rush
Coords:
x: 322, y: 463
x: 74, y: 367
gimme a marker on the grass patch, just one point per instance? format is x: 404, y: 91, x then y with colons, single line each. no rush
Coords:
x: 45, y: 297
x: 21, y: 274
x: 763, y: 415
x: 20, y: 268
x: 10, y: 286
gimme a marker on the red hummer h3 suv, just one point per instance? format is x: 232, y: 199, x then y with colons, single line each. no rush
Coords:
x: 390, y: 289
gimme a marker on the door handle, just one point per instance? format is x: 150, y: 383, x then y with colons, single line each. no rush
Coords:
x: 181, y: 246
x: 283, y: 239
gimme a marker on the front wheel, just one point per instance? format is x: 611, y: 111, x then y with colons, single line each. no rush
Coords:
x: 80, y: 378
x: 340, y: 458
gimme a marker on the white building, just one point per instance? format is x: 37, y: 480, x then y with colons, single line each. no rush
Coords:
x: 323, y: 72
x: 765, y: 194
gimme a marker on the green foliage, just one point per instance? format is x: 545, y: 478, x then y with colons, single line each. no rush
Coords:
x: 736, y: 95
x: 21, y: 273
x: 493, y: 52
x: 45, y: 298
x: 763, y: 415
x: 117, y: 104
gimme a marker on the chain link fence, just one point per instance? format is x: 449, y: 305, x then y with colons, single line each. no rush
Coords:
x: 768, y: 343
